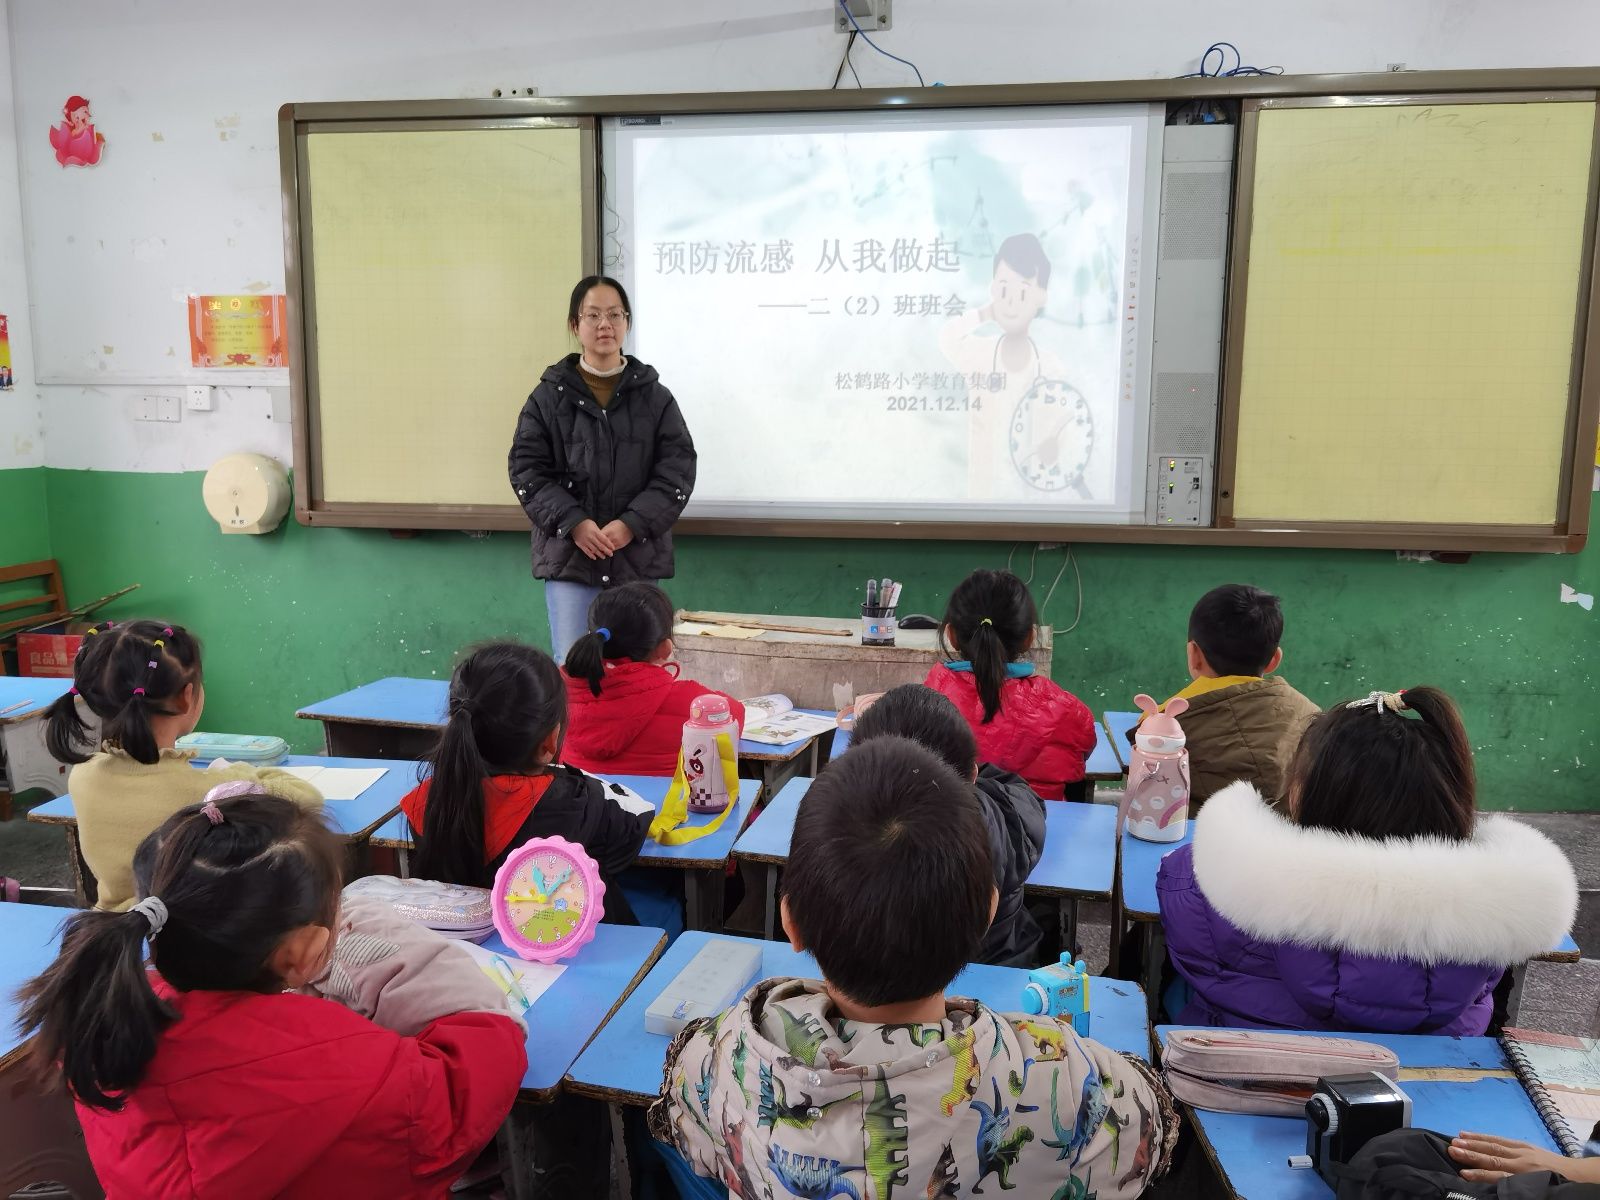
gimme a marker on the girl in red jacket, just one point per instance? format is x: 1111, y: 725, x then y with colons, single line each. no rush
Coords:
x: 204, y: 1077
x: 495, y: 783
x: 626, y: 703
x: 1023, y: 722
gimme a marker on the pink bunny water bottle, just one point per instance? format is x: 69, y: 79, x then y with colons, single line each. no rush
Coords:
x: 1156, y: 806
x: 710, y: 762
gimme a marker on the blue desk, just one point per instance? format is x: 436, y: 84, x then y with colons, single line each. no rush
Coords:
x: 1079, y: 852
x: 623, y: 1064
x: 1250, y: 1153
x: 30, y: 934
x: 1119, y: 725
x: 353, y: 820
x: 701, y: 860
x: 595, y: 982
x: 1103, y: 765
x: 25, y: 763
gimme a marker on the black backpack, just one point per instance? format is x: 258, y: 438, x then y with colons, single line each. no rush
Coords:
x: 1415, y: 1164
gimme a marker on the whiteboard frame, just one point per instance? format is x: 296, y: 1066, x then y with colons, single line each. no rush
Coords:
x: 311, y: 508
x: 1464, y: 86
x: 1570, y: 529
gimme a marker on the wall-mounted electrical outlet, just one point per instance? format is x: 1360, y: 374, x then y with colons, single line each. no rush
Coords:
x: 197, y: 397
x: 874, y: 16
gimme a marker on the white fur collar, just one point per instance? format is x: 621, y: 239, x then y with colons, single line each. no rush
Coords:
x: 1502, y: 897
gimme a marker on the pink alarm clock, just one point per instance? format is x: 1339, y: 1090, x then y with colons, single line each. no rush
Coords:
x: 547, y: 898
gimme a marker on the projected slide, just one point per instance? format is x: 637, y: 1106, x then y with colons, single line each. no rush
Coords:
x: 936, y: 317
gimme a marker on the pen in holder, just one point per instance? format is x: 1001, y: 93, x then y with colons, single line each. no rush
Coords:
x: 877, y: 625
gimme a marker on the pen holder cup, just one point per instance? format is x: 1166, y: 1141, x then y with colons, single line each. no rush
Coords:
x: 878, y: 626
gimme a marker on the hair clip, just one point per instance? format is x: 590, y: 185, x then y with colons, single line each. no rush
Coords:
x: 153, y: 910
x: 151, y: 664
x: 1380, y: 701
x: 605, y: 634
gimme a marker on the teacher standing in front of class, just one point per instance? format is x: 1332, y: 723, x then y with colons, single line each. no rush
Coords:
x: 602, y: 463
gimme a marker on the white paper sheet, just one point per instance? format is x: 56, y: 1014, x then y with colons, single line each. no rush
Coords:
x: 339, y: 783
x: 534, y: 978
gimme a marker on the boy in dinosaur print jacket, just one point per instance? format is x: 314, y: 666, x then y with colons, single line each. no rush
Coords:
x: 873, y: 1085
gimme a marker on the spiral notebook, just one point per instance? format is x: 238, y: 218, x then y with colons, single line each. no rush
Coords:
x: 1561, y: 1075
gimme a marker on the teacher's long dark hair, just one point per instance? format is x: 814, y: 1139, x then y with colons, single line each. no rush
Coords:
x: 505, y: 699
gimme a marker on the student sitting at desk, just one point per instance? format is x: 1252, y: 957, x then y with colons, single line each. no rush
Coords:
x: 143, y: 680
x: 204, y: 1076
x: 1243, y: 721
x: 1383, y: 901
x: 494, y: 783
x: 871, y: 1078
x: 626, y: 703
x: 1023, y: 722
x: 1013, y: 815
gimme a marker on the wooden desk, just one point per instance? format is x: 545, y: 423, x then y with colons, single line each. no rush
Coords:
x: 806, y: 666
x: 702, y: 860
x: 624, y: 1063
x: 1454, y: 1084
x: 24, y: 761
x: 353, y: 820
x: 1077, y: 864
x: 1119, y: 725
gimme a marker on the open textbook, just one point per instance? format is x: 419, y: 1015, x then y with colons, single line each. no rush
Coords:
x: 775, y: 721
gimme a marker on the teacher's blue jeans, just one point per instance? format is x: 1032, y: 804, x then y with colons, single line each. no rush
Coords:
x: 568, y: 606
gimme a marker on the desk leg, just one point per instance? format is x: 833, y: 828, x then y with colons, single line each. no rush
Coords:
x: 702, y: 897
x: 84, y: 884
x: 405, y: 862
x: 515, y: 1142
x: 1519, y: 975
x: 1067, y: 918
x: 621, y: 1177
x: 771, y: 926
x: 1155, y: 954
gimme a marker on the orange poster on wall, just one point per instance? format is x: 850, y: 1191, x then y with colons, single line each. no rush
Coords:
x: 238, y: 331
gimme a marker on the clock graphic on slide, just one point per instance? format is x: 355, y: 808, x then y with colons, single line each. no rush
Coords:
x: 1052, y: 437
x: 547, y: 899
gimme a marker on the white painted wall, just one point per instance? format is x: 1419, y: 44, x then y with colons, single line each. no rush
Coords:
x: 21, y: 422
x: 196, y: 209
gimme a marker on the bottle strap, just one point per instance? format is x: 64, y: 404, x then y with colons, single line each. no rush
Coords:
x: 667, y: 827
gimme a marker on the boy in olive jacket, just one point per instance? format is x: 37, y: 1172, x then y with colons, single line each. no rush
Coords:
x: 871, y: 1083
x: 1243, y: 722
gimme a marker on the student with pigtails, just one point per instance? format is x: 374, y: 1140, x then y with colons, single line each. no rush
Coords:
x: 1024, y: 722
x: 143, y: 680
x: 624, y: 695
x: 219, y: 1067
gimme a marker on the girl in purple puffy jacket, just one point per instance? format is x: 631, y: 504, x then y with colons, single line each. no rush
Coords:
x: 1385, y: 902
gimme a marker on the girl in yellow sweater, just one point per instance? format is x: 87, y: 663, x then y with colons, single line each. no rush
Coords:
x: 142, y: 679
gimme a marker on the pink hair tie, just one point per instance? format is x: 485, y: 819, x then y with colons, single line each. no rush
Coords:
x: 138, y: 691
x: 72, y: 691
x: 211, y: 811
x: 226, y: 791
x: 167, y: 631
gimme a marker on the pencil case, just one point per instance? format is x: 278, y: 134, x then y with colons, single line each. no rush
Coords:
x: 257, y: 750
x: 453, y: 909
x: 1261, y: 1073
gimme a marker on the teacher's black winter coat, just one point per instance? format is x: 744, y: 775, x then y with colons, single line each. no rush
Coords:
x: 632, y: 461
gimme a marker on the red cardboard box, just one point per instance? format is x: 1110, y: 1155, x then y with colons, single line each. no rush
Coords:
x: 50, y: 654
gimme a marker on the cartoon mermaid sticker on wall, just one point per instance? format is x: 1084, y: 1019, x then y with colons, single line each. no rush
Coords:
x: 75, y: 140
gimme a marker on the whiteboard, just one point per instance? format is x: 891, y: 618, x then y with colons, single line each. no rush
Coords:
x: 439, y: 266
x: 1412, y: 298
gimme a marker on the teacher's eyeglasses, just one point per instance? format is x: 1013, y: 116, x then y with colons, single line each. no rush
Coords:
x: 612, y: 316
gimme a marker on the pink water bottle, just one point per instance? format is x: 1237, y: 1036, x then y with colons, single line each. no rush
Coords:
x: 1157, y: 802
x: 710, y: 753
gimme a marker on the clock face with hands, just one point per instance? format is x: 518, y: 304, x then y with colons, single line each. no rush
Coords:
x: 548, y: 897
x: 1052, y: 436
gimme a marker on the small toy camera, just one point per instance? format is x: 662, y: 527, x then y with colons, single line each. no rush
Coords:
x: 1348, y: 1111
x: 1059, y: 990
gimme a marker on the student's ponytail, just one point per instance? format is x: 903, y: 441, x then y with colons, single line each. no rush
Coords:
x: 990, y: 618
x: 451, y: 847
x: 125, y: 674
x: 1449, y: 750
x: 94, y: 1010
x: 65, y: 734
x: 505, y: 700
x: 626, y: 622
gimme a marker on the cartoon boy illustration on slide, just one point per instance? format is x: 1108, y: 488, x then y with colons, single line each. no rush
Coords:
x: 1034, y: 432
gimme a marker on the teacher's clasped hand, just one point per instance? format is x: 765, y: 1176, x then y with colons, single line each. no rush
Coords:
x: 602, y: 463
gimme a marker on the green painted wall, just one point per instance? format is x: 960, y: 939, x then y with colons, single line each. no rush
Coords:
x: 303, y: 614
x: 25, y: 526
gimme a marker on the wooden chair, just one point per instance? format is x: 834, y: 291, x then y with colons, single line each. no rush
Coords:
x: 48, y: 604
